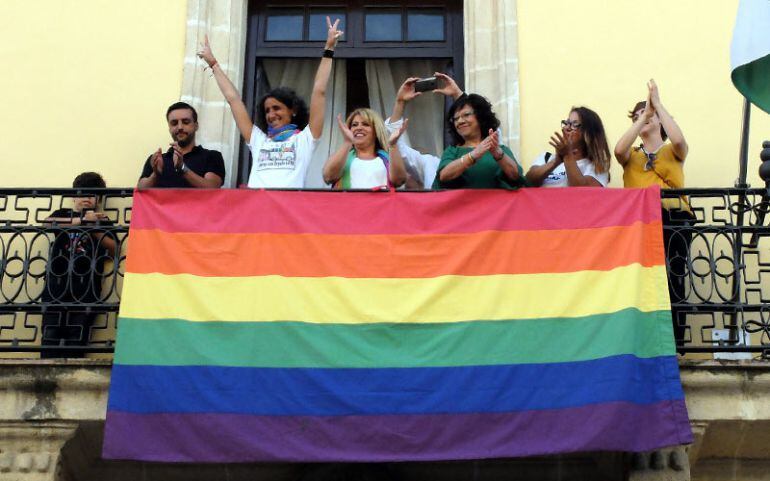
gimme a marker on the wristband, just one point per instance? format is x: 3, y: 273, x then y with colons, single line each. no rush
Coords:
x: 213, y: 64
x: 328, y: 53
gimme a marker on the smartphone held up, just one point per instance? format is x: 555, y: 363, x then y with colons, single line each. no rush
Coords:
x: 427, y: 84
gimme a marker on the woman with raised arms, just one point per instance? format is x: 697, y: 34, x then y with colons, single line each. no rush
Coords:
x: 287, y: 132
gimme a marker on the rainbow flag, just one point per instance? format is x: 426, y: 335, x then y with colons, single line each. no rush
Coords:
x: 393, y: 326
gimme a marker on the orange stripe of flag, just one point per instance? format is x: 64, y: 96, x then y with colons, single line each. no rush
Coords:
x: 394, y: 256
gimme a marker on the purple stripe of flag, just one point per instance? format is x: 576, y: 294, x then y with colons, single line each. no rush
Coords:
x: 224, y: 438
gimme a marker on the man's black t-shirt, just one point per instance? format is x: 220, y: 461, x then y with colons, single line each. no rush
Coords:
x: 199, y: 160
x: 75, y: 262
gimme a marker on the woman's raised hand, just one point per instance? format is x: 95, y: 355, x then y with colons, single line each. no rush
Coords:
x: 347, y: 134
x: 333, y: 36
x: 566, y: 146
x: 205, y: 52
x: 649, y: 106
x: 653, y: 95
x: 559, y: 143
x: 397, y: 134
x: 406, y: 92
x: 450, y: 88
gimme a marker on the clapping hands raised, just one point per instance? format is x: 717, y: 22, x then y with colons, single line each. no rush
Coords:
x: 490, y: 144
x: 565, y: 145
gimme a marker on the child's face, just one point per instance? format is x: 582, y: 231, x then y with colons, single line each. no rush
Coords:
x: 84, y: 203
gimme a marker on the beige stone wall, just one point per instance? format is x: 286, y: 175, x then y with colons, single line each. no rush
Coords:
x: 44, y: 403
x: 492, y: 60
x: 224, y: 21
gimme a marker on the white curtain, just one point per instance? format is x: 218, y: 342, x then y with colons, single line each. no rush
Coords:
x: 299, y: 74
x: 425, y: 113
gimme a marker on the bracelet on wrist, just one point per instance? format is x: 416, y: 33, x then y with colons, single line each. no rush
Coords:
x: 213, y: 64
x: 328, y: 53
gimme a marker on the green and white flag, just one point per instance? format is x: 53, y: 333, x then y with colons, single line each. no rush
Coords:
x: 750, y: 52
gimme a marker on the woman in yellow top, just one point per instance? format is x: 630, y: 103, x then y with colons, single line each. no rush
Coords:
x: 656, y: 161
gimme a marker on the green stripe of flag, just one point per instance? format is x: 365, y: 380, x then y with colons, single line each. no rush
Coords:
x: 172, y: 342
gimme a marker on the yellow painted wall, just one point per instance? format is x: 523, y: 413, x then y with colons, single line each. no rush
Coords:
x: 85, y: 85
x: 599, y: 53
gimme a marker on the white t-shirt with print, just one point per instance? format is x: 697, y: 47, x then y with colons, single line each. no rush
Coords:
x: 280, y: 164
x: 368, y: 174
x: 558, y: 177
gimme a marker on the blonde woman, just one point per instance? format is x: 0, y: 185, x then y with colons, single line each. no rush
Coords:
x: 366, y: 159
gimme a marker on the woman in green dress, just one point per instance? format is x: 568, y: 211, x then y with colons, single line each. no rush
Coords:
x: 477, y: 159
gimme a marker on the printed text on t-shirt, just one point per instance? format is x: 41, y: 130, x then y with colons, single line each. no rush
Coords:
x: 277, y: 156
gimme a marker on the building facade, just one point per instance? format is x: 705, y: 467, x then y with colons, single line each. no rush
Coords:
x: 89, y: 84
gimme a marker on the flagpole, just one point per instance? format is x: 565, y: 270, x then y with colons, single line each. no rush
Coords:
x: 744, y: 153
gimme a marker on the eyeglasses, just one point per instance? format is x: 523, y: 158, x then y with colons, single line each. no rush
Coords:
x: 571, y: 124
x: 650, y: 160
x: 651, y: 156
x: 462, y: 116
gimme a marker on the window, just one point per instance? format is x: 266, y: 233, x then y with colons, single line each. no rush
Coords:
x: 396, y: 28
x: 383, y: 25
x: 284, y: 25
x: 425, y: 25
x: 300, y: 24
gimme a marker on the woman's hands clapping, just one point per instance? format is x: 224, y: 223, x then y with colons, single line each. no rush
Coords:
x: 490, y: 144
x: 565, y: 145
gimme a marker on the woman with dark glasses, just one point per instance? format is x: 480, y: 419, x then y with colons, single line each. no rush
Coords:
x: 655, y: 161
x: 477, y: 159
x: 582, y: 157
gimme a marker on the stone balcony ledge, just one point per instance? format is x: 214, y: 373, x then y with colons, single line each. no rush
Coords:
x: 48, y: 405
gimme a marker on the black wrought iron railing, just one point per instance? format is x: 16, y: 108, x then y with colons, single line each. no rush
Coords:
x: 61, y: 277
x: 61, y: 272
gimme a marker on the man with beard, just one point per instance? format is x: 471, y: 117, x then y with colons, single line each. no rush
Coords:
x: 184, y: 164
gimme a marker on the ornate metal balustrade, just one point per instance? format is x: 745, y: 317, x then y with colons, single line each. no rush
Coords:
x: 59, y: 280
x: 725, y: 306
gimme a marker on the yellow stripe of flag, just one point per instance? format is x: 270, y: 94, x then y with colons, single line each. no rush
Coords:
x: 427, y: 300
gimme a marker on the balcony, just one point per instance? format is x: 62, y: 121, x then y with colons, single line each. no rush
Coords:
x: 722, y: 321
